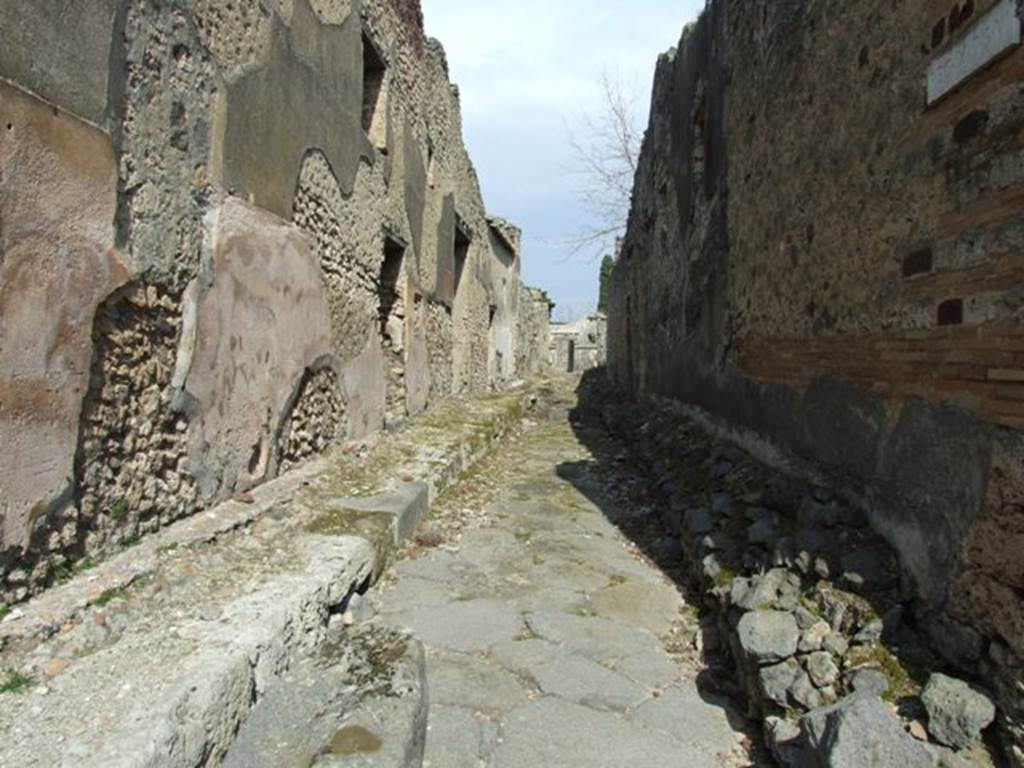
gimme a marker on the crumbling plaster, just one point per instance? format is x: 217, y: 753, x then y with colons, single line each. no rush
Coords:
x: 212, y: 159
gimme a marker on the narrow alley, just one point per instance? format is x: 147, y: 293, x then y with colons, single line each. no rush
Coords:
x: 551, y: 639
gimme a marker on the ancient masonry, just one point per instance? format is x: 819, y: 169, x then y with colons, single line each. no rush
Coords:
x: 233, y: 234
x: 824, y: 262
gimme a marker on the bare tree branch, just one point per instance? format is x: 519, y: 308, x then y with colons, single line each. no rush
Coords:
x: 605, y: 163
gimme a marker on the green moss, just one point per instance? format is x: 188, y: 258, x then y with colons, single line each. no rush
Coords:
x: 15, y: 682
x: 61, y: 574
x: 691, y: 613
x: 724, y: 577
x: 4, y: 610
x: 902, y: 684
x: 375, y: 527
x: 109, y: 595
x: 121, y: 593
x: 344, y: 521
x: 811, y: 605
x: 526, y: 634
x: 118, y: 510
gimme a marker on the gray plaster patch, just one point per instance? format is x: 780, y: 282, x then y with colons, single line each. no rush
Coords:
x: 266, y: 311
x: 76, y: 38
x: 314, y: 70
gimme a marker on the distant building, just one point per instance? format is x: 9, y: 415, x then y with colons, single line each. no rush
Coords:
x: 581, y: 345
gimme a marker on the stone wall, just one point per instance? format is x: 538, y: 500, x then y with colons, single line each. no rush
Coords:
x: 223, y: 227
x: 823, y: 259
x: 533, y: 328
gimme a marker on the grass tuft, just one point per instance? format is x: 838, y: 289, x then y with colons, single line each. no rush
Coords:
x: 15, y: 682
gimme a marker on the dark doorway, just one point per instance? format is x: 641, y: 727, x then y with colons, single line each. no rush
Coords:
x: 391, y: 314
x: 387, y: 285
x: 572, y: 356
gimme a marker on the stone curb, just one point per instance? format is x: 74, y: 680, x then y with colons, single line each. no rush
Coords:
x: 254, y: 643
x: 260, y: 636
x: 45, y: 613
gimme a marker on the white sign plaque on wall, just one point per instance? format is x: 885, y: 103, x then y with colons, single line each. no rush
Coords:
x: 993, y: 35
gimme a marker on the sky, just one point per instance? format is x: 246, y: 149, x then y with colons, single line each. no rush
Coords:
x: 528, y: 70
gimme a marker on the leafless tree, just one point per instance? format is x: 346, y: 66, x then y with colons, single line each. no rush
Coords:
x: 606, y: 151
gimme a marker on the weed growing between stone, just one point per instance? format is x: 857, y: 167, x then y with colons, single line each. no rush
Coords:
x: 15, y: 682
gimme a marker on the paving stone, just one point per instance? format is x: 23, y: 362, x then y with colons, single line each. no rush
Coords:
x: 639, y: 605
x: 522, y: 654
x: 412, y: 592
x: 457, y: 738
x: 554, y: 732
x: 550, y: 627
x: 473, y: 683
x: 472, y: 625
x: 653, y: 668
x: 701, y: 721
x: 583, y: 681
x: 597, y: 638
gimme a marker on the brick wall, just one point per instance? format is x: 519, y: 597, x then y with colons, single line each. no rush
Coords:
x: 827, y: 258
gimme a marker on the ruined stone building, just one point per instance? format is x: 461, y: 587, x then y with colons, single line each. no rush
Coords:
x: 580, y: 345
x: 824, y: 262
x: 233, y: 234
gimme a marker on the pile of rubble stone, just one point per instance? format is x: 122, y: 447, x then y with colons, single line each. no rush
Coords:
x: 808, y: 604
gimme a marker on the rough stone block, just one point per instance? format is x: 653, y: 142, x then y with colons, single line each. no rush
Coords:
x: 957, y: 712
x: 768, y: 637
x: 859, y: 732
